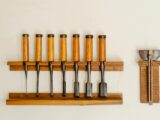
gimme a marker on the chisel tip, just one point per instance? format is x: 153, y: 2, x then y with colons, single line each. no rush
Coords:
x: 88, y: 89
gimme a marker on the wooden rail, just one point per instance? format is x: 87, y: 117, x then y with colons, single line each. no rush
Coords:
x: 110, y: 66
x: 58, y: 99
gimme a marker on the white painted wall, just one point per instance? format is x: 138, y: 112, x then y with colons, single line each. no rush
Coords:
x: 129, y: 25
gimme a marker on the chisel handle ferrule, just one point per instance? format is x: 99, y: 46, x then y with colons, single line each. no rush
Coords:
x: 102, y: 47
x: 25, y: 44
x: 38, y: 54
x: 76, y: 51
x: 50, y: 47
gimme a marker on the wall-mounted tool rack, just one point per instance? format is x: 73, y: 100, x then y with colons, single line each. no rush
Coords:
x: 143, y: 81
x: 64, y: 98
x: 58, y: 99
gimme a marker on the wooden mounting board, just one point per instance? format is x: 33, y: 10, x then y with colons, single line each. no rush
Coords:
x: 109, y: 66
x: 58, y: 99
x: 143, y: 81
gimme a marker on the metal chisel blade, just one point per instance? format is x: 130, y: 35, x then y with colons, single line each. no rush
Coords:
x: 64, y: 78
x: 102, y: 84
x: 89, y: 84
x: 38, y: 72
x: 76, y: 83
x: 26, y: 75
x: 51, y: 78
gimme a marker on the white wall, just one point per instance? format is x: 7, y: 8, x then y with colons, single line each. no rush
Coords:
x: 129, y: 25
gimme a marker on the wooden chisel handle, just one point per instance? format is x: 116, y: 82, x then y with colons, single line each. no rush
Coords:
x: 63, y: 47
x: 102, y: 48
x: 38, y: 54
x: 25, y: 44
x: 76, y: 51
x: 89, y: 48
x: 50, y: 47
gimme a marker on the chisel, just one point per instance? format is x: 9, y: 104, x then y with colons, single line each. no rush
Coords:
x: 63, y: 58
x: 76, y: 58
x: 38, y: 58
x: 51, y: 59
x: 89, y: 57
x: 102, y: 59
x: 25, y: 44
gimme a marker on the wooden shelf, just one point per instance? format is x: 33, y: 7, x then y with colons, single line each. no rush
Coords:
x: 144, y: 81
x: 58, y: 99
x: 109, y: 66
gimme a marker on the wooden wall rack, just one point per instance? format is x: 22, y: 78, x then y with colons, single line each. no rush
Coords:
x: 143, y: 81
x: 58, y: 99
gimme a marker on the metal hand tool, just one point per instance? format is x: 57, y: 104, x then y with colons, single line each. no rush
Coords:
x: 51, y: 59
x: 63, y: 58
x: 76, y: 58
x: 102, y: 58
x: 89, y: 55
x: 38, y: 56
x: 25, y: 42
x: 149, y: 55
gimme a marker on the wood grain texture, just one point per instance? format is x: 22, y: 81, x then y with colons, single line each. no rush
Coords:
x: 50, y: 48
x: 102, y: 49
x: 144, y: 81
x: 58, y: 99
x: 63, y: 48
x: 76, y: 50
x: 38, y: 50
x: 89, y: 49
x: 110, y: 66
x: 25, y: 47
